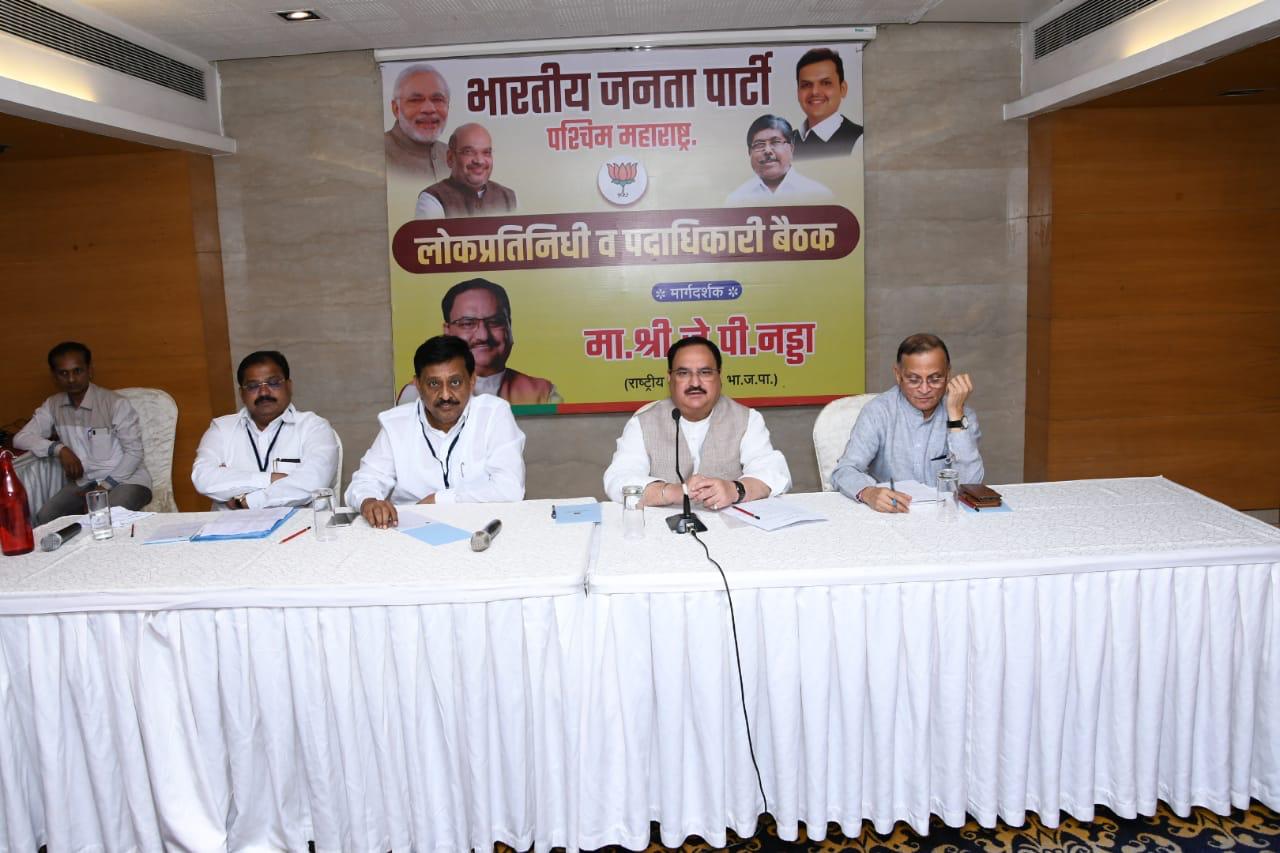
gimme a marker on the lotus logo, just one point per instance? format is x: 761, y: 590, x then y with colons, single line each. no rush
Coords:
x: 622, y: 181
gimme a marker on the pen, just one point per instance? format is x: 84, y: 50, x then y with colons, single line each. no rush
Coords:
x: 939, y: 458
x: 295, y: 535
x: 744, y: 512
x: 553, y: 510
x: 293, y: 461
x: 132, y: 529
x: 892, y: 487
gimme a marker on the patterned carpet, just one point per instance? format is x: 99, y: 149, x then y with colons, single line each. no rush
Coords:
x: 1258, y: 828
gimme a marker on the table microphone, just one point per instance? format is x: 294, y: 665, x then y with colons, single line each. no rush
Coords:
x: 481, y: 539
x: 683, y: 522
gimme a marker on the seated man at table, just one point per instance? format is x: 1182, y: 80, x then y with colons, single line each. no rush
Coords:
x: 449, y: 446
x: 269, y: 453
x: 726, y: 456
x: 897, y: 436
x: 93, y: 432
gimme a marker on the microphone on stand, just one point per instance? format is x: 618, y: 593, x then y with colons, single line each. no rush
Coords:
x: 683, y: 522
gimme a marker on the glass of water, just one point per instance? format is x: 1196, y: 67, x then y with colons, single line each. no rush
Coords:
x: 632, y: 512
x: 98, y: 502
x: 948, y: 484
x: 322, y: 509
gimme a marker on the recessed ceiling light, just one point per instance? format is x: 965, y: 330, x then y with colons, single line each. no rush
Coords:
x: 295, y: 15
x: 1241, y: 93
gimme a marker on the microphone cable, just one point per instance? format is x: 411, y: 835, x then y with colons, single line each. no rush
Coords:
x: 737, y: 656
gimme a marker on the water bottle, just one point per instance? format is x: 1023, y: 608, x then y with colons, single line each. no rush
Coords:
x: 15, y: 516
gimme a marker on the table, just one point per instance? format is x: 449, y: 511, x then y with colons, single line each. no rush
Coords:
x: 1110, y: 642
x: 41, y: 476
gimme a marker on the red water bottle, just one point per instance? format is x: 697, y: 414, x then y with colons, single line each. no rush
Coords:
x: 15, y: 516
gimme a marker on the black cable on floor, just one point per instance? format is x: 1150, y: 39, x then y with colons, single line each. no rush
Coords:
x: 737, y: 656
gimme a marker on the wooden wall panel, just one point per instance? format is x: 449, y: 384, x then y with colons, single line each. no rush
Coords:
x: 1154, y: 298
x: 120, y: 252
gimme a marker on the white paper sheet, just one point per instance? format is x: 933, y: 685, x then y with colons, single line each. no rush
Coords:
x: 771, y: 513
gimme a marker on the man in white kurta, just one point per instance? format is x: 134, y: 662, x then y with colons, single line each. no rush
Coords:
x: 449, y: 446
x: 726, y: 455
x: 269, y: 453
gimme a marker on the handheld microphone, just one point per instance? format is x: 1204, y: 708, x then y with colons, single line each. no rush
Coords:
x: 481, y: 539
x: 683, y: 522
x: 54, y: 541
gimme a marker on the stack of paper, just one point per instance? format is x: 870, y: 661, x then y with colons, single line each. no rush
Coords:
x: 771, y: 513
x: 244, y: 524
x: 917, y: 491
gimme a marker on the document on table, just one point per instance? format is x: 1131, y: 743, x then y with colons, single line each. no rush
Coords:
x: 919, y: 492
x: 244, y: 524
x: 576, y: 513
x: 120, y: 517
x: 415, y: 523
x: 181, y: 531
x: 771, y: 513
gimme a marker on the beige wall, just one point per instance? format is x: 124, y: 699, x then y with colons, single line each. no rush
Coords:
x: 303, y: 218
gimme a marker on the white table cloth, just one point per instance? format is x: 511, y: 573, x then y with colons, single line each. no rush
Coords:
x: 1110, y: 642
x: 41, y: 477
x: 370, y: 694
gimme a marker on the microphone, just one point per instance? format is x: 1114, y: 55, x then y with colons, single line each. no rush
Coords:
x: 481, y: 539
x: 683, y: 522
x: 54, y: 541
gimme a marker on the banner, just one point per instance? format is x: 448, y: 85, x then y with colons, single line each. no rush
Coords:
x: 571, y: 215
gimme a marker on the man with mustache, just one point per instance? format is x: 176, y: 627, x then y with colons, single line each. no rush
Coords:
x: 726, y: 456
x: 94, y: 433
x: 420, y: 104
x: 450, y: 446
x: 269, y: 453
x: 769, y: 148
x: 479, y: 311
x: 913, y: 430
x: 467, y: 191
x: 820, y: 87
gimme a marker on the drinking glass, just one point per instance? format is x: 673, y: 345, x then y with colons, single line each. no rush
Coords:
x: 632, y: 512
x: 948, y: 484
x: 98, y: 502
x: 321, y: 514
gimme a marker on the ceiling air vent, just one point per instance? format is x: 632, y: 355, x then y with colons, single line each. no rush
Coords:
x: 63, y: 33
x: 1073, y: 25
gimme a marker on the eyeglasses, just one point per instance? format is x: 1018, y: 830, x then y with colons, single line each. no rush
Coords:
x: 274, y: 383
x: 684, y: 374
x: 761, y: 144
x: 470, y: 324
x: 937, y: 380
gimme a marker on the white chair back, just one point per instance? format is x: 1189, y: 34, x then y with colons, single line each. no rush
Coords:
x: 158, y: 414
x: 337, y: 475
x: 831, y: 432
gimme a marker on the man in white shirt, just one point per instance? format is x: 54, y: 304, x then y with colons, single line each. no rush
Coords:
x: 449, y: 446
x: 269, y: 453
x: 94, y: 433
x: 769, y: 147
x: 725, y: 453
x: 820, y: 87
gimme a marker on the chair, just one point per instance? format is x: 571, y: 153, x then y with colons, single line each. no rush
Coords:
x: 337, y: 475
x: 158, y: 414
x: 831, y: 432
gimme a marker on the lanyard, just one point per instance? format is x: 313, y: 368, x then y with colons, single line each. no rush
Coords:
x: 262, y: 463
x: 444, y: 466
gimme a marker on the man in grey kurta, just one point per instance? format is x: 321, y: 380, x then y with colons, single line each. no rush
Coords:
x: 913, y: 430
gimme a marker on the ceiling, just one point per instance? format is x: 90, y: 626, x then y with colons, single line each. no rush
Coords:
x: 237, y: 29
x: 1256, y: 67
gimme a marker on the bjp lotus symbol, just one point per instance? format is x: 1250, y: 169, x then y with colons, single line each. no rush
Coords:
x: 622, y: 174
x: 622, y: 181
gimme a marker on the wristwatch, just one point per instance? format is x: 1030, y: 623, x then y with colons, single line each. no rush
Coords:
x: 963, y: 423
x: 742, y: 491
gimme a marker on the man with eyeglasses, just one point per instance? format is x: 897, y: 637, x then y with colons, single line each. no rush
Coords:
x: 479, y: 312
x: 268, y: 453
x: 769, y: 147
x: 726, y: 456
x: 467, y: 191
x: 94, y: 433
x: 450, y: 446
x: 913, y: 430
